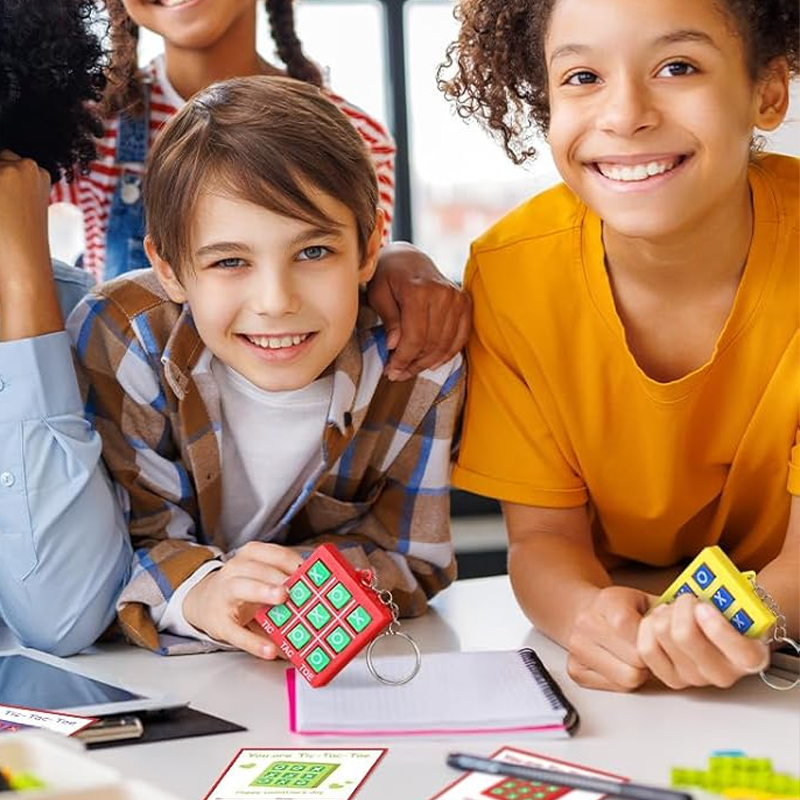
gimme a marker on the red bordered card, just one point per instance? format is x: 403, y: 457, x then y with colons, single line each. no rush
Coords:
x: 322, y: 773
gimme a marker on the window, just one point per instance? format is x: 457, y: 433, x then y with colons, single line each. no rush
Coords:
x: 461, y: 180
x: 354, y: 58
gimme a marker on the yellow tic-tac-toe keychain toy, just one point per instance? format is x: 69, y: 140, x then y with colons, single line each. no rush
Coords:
x: 712, y: 576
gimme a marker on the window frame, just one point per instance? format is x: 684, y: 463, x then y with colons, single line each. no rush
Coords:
x: 394, y: 22
x: 395, y: 81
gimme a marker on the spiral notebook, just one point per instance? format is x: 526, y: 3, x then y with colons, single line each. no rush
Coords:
x: 504, y: 691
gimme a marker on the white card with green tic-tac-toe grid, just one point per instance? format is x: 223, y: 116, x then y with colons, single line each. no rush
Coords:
x: 319, y: 773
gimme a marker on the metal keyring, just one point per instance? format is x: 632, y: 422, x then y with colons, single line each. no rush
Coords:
x: 390, y: 681
x: 763, y: 674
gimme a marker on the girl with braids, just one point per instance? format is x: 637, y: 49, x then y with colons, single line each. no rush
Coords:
x: 634, y: 365
x: 64, y: 543
x: 211, y: 40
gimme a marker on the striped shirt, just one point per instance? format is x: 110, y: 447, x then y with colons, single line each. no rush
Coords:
x: 92, y: 193
x: 379, y: 490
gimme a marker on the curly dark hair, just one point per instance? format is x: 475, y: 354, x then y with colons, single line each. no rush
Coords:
x: 499, y: 73
x: 124, y: 92
x: 51, y: 76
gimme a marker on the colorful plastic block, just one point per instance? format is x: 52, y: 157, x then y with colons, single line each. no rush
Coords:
x: 712, y: 576
x: 330, y: 616
x: 18, y: 781
x: 736, y: 775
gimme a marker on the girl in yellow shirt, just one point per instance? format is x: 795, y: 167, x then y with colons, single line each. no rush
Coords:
x: 634, y: 366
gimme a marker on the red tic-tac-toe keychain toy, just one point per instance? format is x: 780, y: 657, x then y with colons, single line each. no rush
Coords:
x: 332, y: 613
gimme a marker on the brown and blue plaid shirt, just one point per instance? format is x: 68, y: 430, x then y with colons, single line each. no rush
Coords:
x: 380, y: 491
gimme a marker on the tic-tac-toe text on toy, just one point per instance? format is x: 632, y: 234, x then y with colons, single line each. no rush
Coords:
x: 712, y: 576
x: 332, y: 613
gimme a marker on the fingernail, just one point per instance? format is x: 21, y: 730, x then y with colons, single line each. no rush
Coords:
x: 275, y: 594
x: 758, y: 668
x: 268, y: 651
x: 705, y: 612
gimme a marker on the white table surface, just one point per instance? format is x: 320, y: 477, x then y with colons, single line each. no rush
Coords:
x: 640, y: 735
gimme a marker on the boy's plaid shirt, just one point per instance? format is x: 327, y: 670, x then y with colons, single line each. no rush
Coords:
x: 380, y: 492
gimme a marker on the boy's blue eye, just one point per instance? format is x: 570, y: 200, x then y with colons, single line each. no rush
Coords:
x: 229, y: 263
x: 582, y: 78
x: 676, y: 69
x: 313, y: 253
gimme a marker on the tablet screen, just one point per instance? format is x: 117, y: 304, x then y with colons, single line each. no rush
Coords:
x: 35, y: 684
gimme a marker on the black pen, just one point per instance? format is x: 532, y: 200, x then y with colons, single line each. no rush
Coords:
x: 633, y: 791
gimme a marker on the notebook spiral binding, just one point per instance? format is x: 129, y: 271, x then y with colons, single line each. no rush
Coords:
x: 541, y: 676
x: 551, y: 690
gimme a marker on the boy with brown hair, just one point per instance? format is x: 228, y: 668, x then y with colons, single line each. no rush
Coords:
x: 239, y: 388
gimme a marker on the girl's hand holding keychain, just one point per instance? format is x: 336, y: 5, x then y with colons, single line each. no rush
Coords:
x: 747, y: 606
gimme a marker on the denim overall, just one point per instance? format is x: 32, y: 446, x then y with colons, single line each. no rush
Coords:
x: 126, y: 226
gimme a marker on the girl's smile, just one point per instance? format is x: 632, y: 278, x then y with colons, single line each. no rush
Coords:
x: 175, y: 3
x: 637, y: 173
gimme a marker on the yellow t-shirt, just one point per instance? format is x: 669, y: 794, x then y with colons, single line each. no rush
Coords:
x: 559, y: 414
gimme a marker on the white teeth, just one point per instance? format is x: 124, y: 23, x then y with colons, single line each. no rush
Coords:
x: 171, y: 3
x: 277, y: 342
x: 638, y: 172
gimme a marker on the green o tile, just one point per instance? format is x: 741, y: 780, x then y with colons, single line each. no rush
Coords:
x: 318, y: 659
x: 338, y: 639
x: 299, y: 593
x: 299, y: 636
x: 318, y: 573
x: 339, y: 596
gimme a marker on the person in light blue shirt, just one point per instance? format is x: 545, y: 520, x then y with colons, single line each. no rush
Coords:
x: 64, y: 548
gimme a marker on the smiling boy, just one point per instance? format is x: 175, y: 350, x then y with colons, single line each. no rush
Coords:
x: 239, y: 388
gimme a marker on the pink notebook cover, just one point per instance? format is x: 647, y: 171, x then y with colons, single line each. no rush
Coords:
x: 554, y: 731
